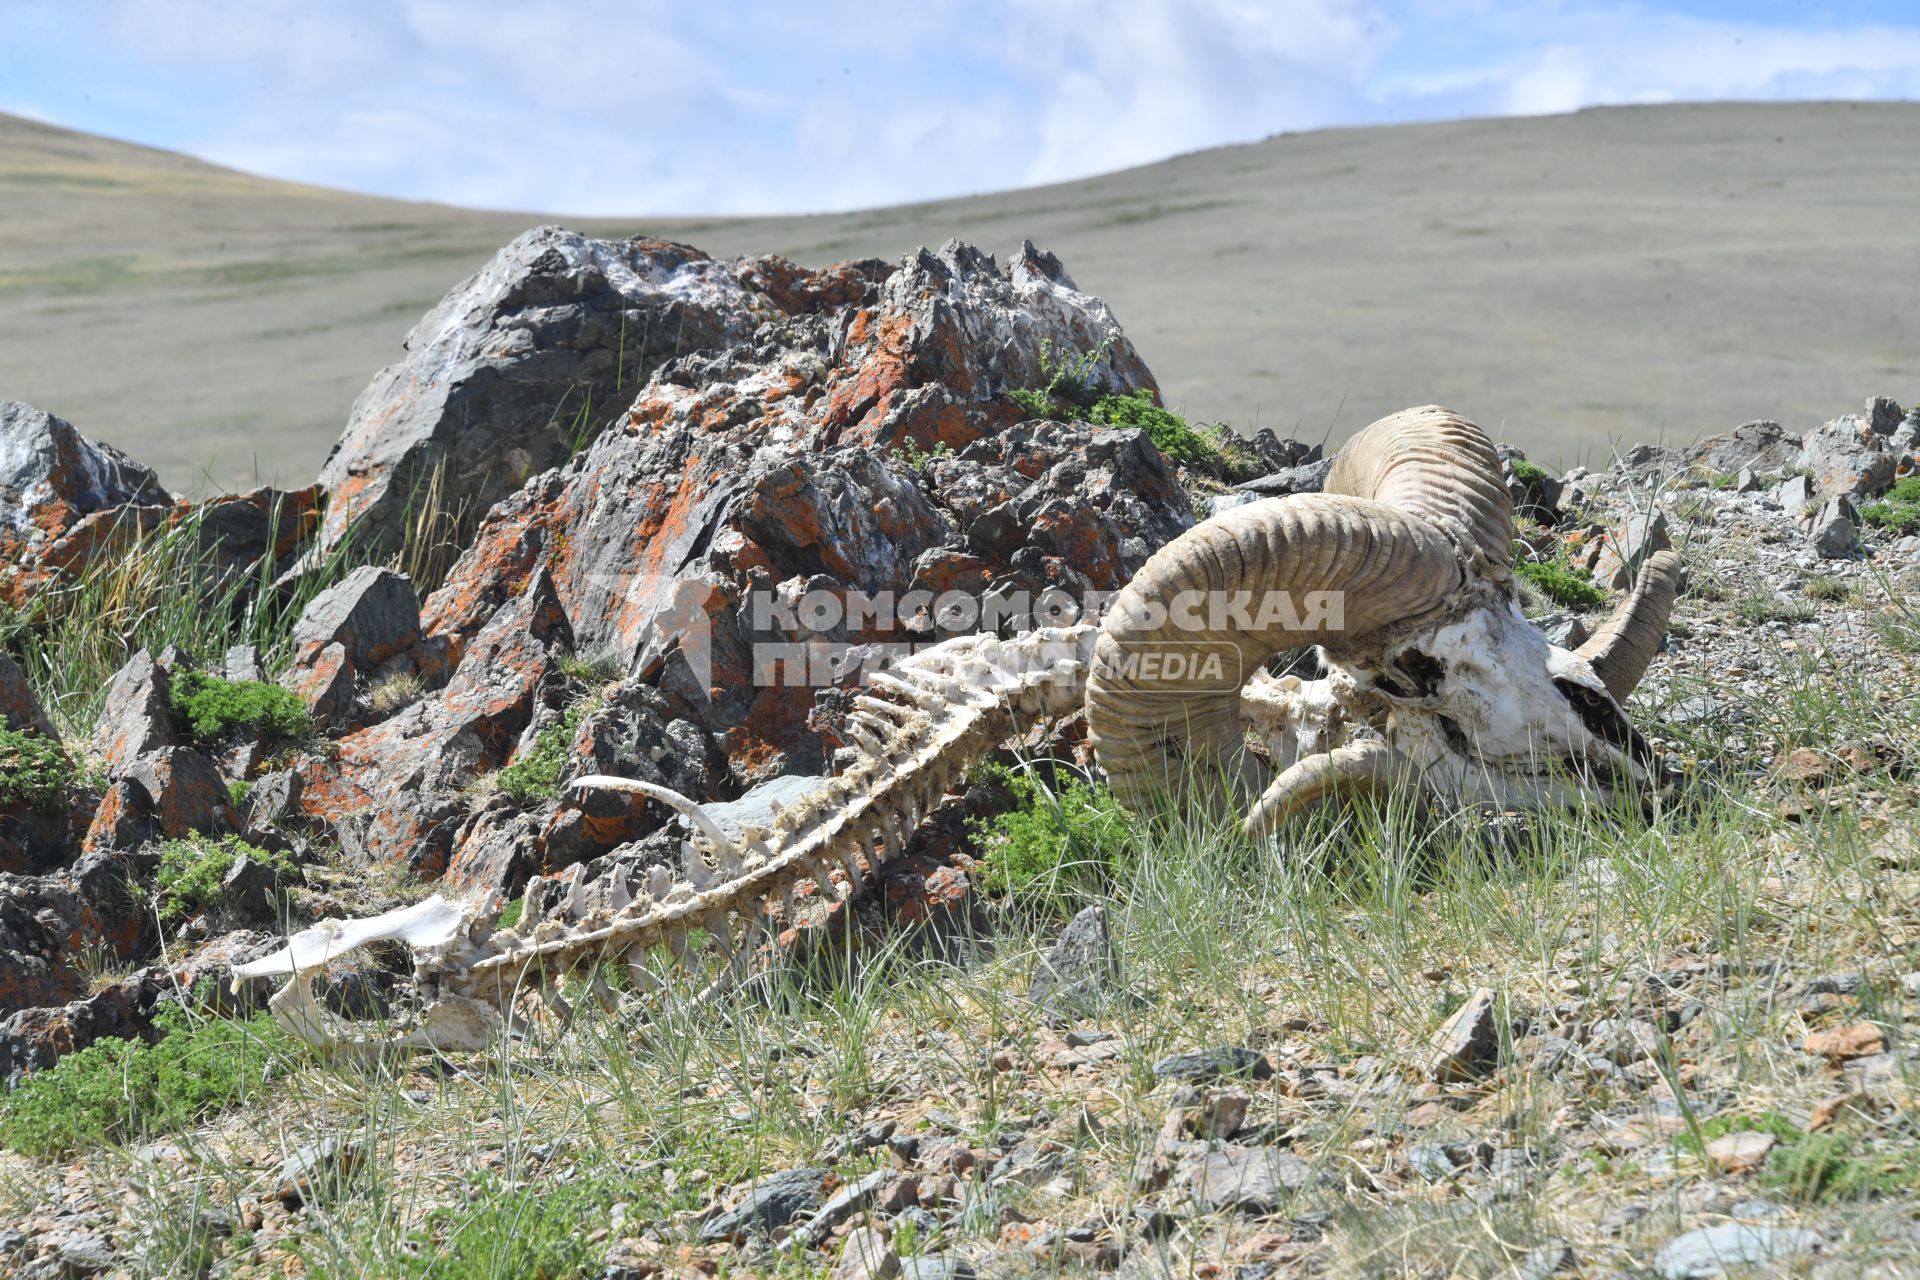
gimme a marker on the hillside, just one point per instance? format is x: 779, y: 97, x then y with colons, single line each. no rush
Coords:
x: 1617, y: 274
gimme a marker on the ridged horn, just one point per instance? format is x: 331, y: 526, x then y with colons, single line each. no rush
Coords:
x: 1151, y: 721
x: 1620, y: 651
x: 1432, y: 463
x: 1365, y: 766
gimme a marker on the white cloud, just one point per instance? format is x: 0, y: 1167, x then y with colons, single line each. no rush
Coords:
x: 637, y: 106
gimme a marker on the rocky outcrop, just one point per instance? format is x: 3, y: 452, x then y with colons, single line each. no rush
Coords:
x: 525, y: 362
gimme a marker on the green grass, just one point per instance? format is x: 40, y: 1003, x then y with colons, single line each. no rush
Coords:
x: 116, y: 1090
x: 34, y: 772
x: 1898, y: 512
x: 192, y: 871
x: 1171, y: 434
x: 210, y: 707
x: 1529, y: 474
x: 534, y: 776
x: 542, y: 1233
x: 1758, y: 607
x: 157, y: 586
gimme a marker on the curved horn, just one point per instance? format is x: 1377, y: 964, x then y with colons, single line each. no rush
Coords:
x: 1151, y: 718
x: 1364, y: 766
x: 1432, y: 463
x: 1620, y: 651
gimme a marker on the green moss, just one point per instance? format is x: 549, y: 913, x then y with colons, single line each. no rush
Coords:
x: 1528, y: 474
x: 34, y: 772
x: 1557, y: 581
x: 1056, y: 847
x: 192, y: 871
x: 534, y: 775
x: 211, y: 708
x: 1899, y: 511
x: 115, y: 1089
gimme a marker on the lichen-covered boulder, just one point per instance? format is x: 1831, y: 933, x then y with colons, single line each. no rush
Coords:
x: 527, y: 358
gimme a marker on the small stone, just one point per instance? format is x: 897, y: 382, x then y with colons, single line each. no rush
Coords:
x: 1832, y: 535
x: 1080, y: 972
x: 1624, y: 552
x: 1623, y: 1041
x: 843, y: 1204
x: 774, y: 1201
x: 1710, y: 1251
x: 1842, y: 1044
x: 315, y: 1169
x: 1740, y: 1152
x: 1746, y: 481
x: 1840, y: 984
x: 866, y: 1256
x: 1543, y: 1261
x: 1467, y: 1043
x: 243, y: 663
x: 1250, y: 1179
x: 1804, y: 764
x: 1213, y: 1064
x: 85, y: 1255
x: 1431, y: 1162
x: 936, y: 1266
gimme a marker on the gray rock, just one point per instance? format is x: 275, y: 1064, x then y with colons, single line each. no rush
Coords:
x: 1624, y: 552
x: 1624, y: 1040
x: 1840, y: 984
x: 936, y: 1266
x: 85, y: 1255
x: 1080, y: 972
x: 19, y: 709
x: 243, y: 663
x: 1833, y: 532
x: 1845, y: 457
x: 315, y: 1169
x: 1309, y: 477
x: 1746, y: 481
x: 372, y: 613
x: 1544, y: 1260
x: 774, y: 1201
x: 45, y: 462
x: 1567, y: 630
x: 248, y: 891
x: 1224, y: 1062
x: 866, y: 1256
x: 1250, y: 1179
x: 1431, y: 1162
x: 518, y: 362
x: 1794, y: 494
x: 1883, y: 415
x: 135, y: 720
x: 1710, y: 1251
x: 1468, y: 1042
x: 843, y: 1204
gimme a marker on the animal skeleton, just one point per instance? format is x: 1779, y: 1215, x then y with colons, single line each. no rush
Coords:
x: 1434, y: 680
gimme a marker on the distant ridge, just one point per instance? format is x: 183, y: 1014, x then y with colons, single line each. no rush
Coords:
x: 1621, y: 274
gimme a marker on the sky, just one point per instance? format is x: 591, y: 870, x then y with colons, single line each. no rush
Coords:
x: 766, y: 106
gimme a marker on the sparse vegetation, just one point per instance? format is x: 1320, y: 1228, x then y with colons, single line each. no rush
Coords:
x: 192, y: 870
x: 1557, y: 580
x: 534, y: 776
x: 1059, y: 845
x: 34, y: 772
x: 116, y: 1090
x: 1898, y: 512
x: 917, y: 458
x: 1760, y: 606
x: 1827, y: 590
x: 210, y: 707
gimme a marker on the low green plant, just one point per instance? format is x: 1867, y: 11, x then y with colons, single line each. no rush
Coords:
x: 1529, y: 474
x: 117, y: 1089
x: 34, y: 771
x: 534, y: 775
x: 192, y: 870
x: 1558, y: 581
x: 1057, y: 846
x: 1759, y: 607
x: 1899, y: 511
x: 1171, y: 434
x: 211, y: 707
x: 917, y: 458
x: 1830, y: 590
x: 543, y: 1231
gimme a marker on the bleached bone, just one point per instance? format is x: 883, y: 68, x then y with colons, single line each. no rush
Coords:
x: 1434, y: 682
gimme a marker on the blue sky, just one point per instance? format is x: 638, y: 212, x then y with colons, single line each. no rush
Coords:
x: 759, y: 106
